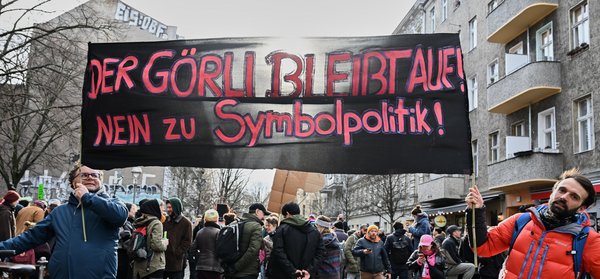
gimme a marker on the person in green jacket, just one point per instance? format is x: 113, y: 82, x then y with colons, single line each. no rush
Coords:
x: 155, y: 266
x: 352, y: 262
x: 248, y: 265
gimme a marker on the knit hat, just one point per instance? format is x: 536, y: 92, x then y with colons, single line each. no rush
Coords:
x: 338, y: 225
x: 151, y: 207
x: 372, y: 227
x: 11, y: 196
x: 40, y: 204
x: 211, y: 215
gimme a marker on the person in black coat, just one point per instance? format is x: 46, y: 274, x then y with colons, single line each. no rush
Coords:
x: 297, y: 246
x: 399, y: 248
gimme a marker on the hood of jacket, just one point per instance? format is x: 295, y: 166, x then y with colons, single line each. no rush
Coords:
x: 399, y: 232
x: 176, y: 205
x: 422, y: 216
x: 583, y: 220
x: 251, y: 217
x: 330, y: 240
x: 299, y: 222
x: 144, y: 220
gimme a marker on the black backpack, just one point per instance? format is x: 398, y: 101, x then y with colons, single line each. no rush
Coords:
x: 228, y: 243
x: 401, y: 249
x: 137, y: 245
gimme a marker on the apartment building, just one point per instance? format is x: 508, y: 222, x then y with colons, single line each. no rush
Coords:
x: 364, y: 199
x: 531, y: 72
x: 114, y: 21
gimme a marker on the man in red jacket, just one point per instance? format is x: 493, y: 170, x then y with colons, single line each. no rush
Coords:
x: 543, y: 248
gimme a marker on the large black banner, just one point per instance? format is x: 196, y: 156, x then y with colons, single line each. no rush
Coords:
x: 390, y: 104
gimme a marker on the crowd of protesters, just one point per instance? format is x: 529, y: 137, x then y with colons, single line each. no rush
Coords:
x: 91, y: 235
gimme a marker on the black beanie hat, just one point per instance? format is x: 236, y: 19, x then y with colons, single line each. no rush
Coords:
x: 151, y: 207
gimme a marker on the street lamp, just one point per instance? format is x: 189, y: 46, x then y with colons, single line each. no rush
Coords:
x: 135, y: 171
x: 379, y: 205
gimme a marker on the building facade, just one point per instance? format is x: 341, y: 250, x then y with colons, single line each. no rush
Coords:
x: 370, y: 199
x: 533, y: 97
x: 104, y: 21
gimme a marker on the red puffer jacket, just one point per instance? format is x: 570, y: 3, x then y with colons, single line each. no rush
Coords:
x: 538, y: 253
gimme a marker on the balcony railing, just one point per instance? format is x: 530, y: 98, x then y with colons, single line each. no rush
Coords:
x: 529, y: 84
x: 527, y: 166
x: 511, y: 18
x: 445, y: 187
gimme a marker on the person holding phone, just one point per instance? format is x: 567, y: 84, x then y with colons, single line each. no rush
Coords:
x: 374, y: 262
x: 86, y: 230
x: 426, y: 262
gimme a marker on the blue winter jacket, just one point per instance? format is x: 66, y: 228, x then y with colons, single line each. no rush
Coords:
x: 79, y: 252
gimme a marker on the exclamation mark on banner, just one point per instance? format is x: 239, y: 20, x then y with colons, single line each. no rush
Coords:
x: 460, y: 71
x: 437, y: 108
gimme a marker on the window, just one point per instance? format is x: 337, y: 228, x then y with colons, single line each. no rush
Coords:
x: 547, y: 129
x: 518, y: 129
x: 580, y: 25
x: 515, y: 59
x: 544, y: 43
x: 517, y: 48
x: 444, y: 9
x: 432, y: 19
x: 493, y: 72
x: 492, y: 5
x: 494, y: 152
x: 475, y: 158
x: 473, y: 33
x: 472, y: 85
x: 584, y: 133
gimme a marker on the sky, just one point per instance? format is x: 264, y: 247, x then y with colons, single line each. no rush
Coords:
x: 197, y: 19
x: 303, y: 18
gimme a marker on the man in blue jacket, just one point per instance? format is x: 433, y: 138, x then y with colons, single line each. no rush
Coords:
x: 86, y: 230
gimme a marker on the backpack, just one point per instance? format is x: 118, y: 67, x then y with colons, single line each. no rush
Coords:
x: 228, y: 243
x: 578, y: 243
x: 137, y: 245
x: 400, y: 251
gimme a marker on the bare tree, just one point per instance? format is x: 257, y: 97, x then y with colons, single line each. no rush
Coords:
x: 192, y: 188
x: 389, y: 192
x: 230, y: 186
x: 346, y: 200
x: 41, y: 73
x: 258, y: 193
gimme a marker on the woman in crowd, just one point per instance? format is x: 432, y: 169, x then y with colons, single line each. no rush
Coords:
x: 150, y: 219
x: 208, y: 265
x: 426, y: 262
x: 271, y: 224
x: 330, y: 267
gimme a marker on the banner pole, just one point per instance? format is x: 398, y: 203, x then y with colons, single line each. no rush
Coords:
x: 473, y: 233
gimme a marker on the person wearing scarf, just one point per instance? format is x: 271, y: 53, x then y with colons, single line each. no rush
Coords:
x: 374, y: 262
x: 426, y: 261
x: 7, y: 215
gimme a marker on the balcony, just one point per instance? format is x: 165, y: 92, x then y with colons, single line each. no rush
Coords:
x: 445, y: 187
x: 529, y: 84
x: 527, y: 168
x: 512, y: 18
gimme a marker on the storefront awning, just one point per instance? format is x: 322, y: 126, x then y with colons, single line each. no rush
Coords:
x: 455, y: 208
x: 546, y: 194
x: 524, y: 184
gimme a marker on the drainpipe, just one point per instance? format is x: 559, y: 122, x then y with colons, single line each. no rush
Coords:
x: 530, y: 135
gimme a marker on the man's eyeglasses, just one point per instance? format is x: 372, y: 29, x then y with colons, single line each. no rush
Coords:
x: 89, y: 174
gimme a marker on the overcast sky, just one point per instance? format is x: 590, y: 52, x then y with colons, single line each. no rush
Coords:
x: 249, y: 18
